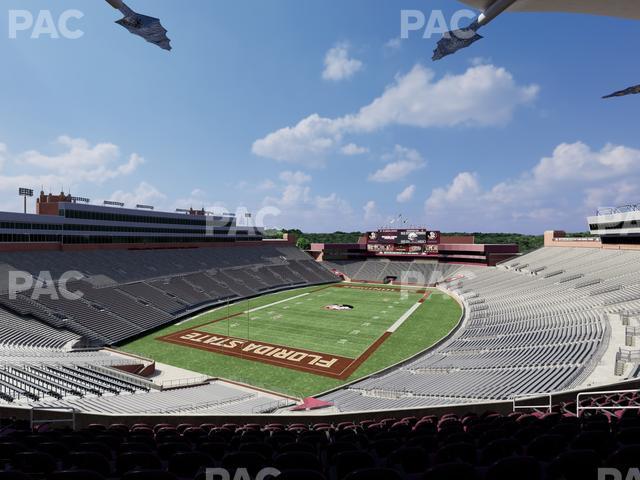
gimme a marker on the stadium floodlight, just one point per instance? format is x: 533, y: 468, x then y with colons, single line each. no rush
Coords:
x: 24, y: 193
x: 111, y: 203
x: 145, y: 207
x: 80, y: 200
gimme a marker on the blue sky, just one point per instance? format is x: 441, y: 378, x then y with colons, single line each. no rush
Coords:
x: 317, y: 109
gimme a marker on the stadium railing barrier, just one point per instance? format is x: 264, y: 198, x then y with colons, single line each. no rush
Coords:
x: 183, y: 382
x: 56, y: 413
x: 580, y: 409
x: 533, y: 396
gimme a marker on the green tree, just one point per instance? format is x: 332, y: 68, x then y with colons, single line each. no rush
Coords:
x: 303, y: 243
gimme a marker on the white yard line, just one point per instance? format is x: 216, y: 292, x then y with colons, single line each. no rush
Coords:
x: 276, y: 303
x: 402, y: 319
x: 389, y: 285
x: 201, y: 314
x: 236, y: 303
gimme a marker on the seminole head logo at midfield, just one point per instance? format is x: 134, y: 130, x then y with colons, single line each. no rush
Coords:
x: 339, y: 307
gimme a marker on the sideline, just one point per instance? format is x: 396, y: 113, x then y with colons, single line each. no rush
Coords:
x: 222, y: 307
x: 276, y: 303
x: 403, y: 318
x: 201, y: 314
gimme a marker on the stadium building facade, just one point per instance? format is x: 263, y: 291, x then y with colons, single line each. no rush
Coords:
x: 62, y: 222
x: 415, y: 244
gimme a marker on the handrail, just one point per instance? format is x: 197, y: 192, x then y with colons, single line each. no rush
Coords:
x: 271, y: 406
x: 199, y: 406
x: 184, y: 382
x: 628, y: 355
x: 123, y: 376
x: 548, y: 406
x: 70, y: 410
x: 580, y: 408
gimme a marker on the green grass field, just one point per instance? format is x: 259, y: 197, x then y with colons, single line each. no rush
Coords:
x: 301, y: 321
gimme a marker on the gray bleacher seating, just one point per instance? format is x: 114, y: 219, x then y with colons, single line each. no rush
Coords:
x: 534, y: 324
x: 125, y: 293
x: 422, y: 272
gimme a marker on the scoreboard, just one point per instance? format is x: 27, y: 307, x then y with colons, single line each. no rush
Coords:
x: 403, y: 242
x: 404, y: 237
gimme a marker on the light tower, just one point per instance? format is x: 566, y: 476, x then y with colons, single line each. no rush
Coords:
x: 24, y: 193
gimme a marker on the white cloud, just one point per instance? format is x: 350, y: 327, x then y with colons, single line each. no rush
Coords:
x: 197, y: 199
x: 370, y: 210
x: 402, y: 162
x: 266, y: 185
x: 308, y: 142
x: 558, y: 192
x: 576, y: 161
x: 338, y: 65
x: 463, y: 187
x: 81, y: 161
x: 332, y: 204
x: 352, y: 149
x: 76, y: 166
x: 482, y: 96
x: 143, y: 194
x: 296, y: 178
x: 300, y: 207
x: 4, y: 151
x: 406, y: 195
x: 393, y: 44
x: 293, y: 195
x: 476, y: 61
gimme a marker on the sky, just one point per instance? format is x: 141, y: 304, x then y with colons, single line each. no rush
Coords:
x: 318, y: 114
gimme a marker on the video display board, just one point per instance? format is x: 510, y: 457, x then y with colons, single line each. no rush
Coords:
x: 404, y: 237
x: 390, y: 249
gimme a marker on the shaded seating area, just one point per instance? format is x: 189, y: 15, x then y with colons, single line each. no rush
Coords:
x: 125, y: 293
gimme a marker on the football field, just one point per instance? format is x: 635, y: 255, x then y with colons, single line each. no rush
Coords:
x: 304, y: 341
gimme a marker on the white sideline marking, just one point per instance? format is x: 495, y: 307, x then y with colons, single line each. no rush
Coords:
x: 250, y: 311
x: 201, y: 314
x: 276, y: 303
x: 402, y: 319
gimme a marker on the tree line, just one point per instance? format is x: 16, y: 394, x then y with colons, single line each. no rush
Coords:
x: 526, y: 243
